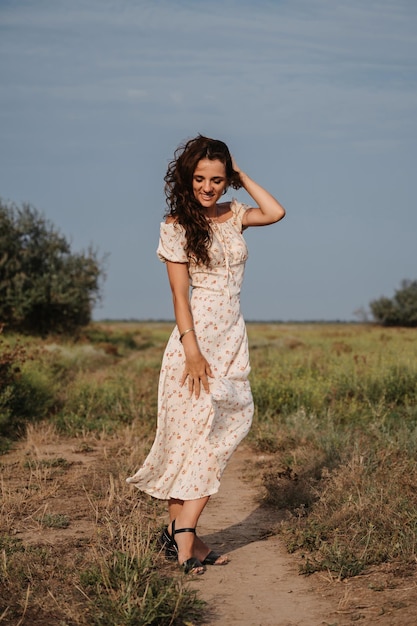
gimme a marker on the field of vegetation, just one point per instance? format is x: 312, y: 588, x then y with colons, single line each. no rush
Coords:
x: 336, y: 419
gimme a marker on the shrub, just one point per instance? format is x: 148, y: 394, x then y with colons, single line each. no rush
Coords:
x: 44, y: 287
x: 27, y: 392
x: 401, y: 310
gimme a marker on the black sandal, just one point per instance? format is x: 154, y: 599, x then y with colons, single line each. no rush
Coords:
x: 213, y: 557
x: 191, y: 564
x: 168, y: 545
x: 171, y: 550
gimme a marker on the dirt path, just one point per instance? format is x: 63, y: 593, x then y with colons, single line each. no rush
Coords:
x: 261, y: 585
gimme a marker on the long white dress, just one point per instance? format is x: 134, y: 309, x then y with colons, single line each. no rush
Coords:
x: 196, y: 438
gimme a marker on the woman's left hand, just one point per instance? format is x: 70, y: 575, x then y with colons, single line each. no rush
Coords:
x: 197, y: 369
x: 235, y: 165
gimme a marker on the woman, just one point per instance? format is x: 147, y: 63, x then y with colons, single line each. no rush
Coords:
x: 205, y: 404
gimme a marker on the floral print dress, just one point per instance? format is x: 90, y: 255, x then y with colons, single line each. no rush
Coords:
x: 196, y: 437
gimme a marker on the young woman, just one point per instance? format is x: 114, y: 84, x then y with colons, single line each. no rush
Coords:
x: 205, y: 404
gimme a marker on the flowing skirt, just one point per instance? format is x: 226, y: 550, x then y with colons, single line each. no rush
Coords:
x: 195, y: 438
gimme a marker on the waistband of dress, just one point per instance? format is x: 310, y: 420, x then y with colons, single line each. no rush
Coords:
x: 199, y: 291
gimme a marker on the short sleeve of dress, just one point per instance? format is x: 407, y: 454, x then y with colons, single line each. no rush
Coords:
x: 172, y: 242
x: 238, y: 209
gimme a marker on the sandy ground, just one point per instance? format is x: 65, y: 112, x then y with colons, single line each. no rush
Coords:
x: 260, y: 586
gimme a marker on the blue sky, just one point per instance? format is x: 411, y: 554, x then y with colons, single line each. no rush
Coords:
x: 317, y: 100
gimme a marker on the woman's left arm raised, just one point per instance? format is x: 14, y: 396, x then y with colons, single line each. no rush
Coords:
x: 268, y: 211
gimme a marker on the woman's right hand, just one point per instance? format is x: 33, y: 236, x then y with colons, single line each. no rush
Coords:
x: 196, y: 370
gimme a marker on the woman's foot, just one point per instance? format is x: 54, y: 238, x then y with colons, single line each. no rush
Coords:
x: 207, y: 556
x: 185, y: 549
x: 200, y: 550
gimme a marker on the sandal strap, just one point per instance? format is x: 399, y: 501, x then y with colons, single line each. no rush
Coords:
x: 184, y: 530
x: 175, y: 531
x: 211, y: 558
x: 192, y: 564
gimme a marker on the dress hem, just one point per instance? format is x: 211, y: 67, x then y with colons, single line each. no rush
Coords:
x: 175, y: 497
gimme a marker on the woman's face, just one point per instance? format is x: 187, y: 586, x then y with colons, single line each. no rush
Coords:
x: 209, y: 182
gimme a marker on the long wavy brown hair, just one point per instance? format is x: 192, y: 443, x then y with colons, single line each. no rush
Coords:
x: 182, y: 204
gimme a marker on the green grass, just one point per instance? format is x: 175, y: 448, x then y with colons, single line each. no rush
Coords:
x: 54, y: 520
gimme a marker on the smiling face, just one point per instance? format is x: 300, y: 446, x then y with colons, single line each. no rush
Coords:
x: 209, y: 183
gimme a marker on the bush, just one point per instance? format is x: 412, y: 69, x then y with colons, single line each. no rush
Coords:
x: 401, y: 310
x: 44, y: 287
x: 27, y: 392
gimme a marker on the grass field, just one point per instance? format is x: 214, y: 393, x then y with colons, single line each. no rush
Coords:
x: 337, y: 408
x: 336, y: 415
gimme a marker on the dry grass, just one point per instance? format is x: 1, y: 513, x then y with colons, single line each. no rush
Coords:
x: 77, y: 543
x: 337, y: 407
